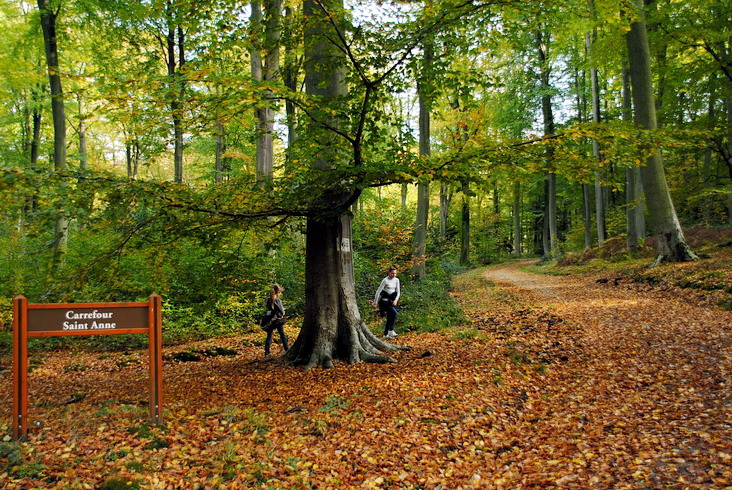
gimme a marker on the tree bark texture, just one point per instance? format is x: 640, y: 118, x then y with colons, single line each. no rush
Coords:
x: 465, y: 226
x: 671, y: 245
x: 631, y: 206
x: 269, y: 30
x: 517, y: 218
x: 48, y: 25
x: 548, y: 114
x: 587, y: 215
x: 600, y: 188
x: 423, y: 189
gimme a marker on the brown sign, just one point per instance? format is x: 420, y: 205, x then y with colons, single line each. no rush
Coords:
x: 63, y: 319
x: 87, y: 319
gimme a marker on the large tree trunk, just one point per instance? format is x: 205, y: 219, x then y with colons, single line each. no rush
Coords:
x: 175, y: 39
x: 600, y: 189
x: 265, y: 73
x: 48, y: 25
x: 332, y: 325
x: 423, y: 189
x: 548, y: 114
x: 631, y: 206
x: 671, y: 245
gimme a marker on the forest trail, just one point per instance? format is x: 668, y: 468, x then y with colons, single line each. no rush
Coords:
x: 648, y: 393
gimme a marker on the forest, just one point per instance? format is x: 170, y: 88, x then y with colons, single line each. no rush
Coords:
x: 206, y: 150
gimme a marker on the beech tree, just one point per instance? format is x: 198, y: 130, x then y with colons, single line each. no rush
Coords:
x: 671, y: 245
x: 332, y: 325
x: 49, y: 14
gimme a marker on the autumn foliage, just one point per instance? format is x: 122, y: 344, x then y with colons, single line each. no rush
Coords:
x: 589, y: 380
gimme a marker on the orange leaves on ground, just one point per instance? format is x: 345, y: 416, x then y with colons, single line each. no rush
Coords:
x: 556, y: 382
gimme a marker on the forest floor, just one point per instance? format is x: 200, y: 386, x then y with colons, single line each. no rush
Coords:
x: 582, y: 381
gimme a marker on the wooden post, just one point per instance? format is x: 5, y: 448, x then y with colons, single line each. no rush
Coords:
x: 20, y: 367
x: 156, y: 359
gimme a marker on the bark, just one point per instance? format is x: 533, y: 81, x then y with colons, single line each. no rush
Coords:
x: 445, y: 199
x: 465, y: 227
x: 423, y: 190
x: 548, y: 114
x: 671, y: 245
x: 175, y: 42
x: 630, y: 190
x: 517, y: 218
x: 600, y: 189
x: 587, y: 215
x: 332, y: 325
x: 728, y: 153
x: 266, y: 72
x: 289, y: 76
x: 420, y: 229
x: 48, y: 25
x: 496, y: 204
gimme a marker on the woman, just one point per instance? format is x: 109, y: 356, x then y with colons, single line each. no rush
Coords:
x: 387, y: 297
x: 277, y: 311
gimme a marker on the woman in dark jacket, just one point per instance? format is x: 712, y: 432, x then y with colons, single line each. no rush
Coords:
x: 277, y: 311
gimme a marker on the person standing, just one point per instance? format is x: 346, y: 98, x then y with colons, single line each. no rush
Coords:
x: 276, y: 309
x: 386, y: 299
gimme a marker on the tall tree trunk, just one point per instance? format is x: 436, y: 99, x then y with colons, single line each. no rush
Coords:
x: 48, y: 25
x: 265, y: 73
x: 600, y: 189
x: 728, y: 105
x: 517, y: 218
x: 586, y: 197
x: 630, y: 191
x: 289, y: 75
x: 587, y: 215
x: 671, y: 245
x: 465, y: 226
x: 423, y: 189
x: 445, y: 198
x: 332, y: 326
x: 548, y: 114
x: 175, y: 39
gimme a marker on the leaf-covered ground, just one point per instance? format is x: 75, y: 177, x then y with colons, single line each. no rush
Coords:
x: 557, y: 382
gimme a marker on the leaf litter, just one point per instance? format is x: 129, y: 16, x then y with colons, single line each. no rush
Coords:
x: 554, y: 382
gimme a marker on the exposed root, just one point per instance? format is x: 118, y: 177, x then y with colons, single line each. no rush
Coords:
x: 366, y: 357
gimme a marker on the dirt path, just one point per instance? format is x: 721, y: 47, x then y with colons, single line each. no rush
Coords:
x: 648, y: 394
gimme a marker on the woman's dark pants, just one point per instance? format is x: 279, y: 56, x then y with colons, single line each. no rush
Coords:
x: 283, y: 338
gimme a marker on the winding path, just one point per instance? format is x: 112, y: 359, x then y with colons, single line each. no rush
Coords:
x: 649, y: 391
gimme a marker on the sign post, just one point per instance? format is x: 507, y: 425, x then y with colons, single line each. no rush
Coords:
x: 72, y: 319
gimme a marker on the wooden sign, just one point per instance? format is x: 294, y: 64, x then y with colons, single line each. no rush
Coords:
x: 70, y: 319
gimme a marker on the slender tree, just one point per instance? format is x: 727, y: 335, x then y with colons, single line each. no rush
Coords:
x: 49, y: 14
x: 423, y: 188
x: 550, y: 217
